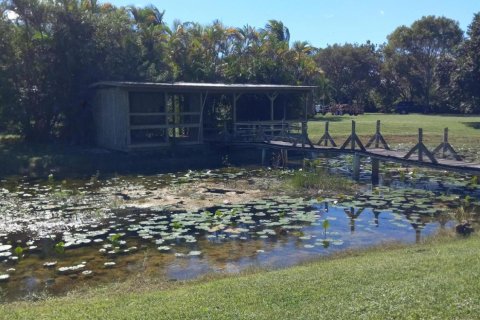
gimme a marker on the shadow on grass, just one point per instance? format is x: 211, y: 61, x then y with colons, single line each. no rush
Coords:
x: 474, y: 125
x: 319, y: 118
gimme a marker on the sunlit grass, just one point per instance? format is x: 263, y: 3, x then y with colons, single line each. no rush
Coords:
x: 463, y: 130
x: 438, y: 279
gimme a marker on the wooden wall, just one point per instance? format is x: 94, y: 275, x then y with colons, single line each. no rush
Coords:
x: 111, y: 109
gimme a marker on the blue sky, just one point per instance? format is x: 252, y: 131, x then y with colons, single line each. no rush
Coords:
x: 319, y: 22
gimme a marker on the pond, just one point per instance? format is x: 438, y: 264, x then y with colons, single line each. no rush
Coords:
x: 56, y: 236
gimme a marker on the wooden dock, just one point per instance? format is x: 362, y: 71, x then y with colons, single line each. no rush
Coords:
x: 443, y: 157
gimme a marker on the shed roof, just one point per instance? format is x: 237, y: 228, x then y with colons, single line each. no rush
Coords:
x: 197, y: 86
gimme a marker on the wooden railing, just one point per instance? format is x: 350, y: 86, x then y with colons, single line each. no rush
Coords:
x: 266, y: 130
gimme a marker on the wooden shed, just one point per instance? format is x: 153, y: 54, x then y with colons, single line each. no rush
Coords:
x: 138, y: 115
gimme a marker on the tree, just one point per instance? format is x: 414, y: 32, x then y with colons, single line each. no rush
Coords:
x: 413, y: 54
x: 352, y: 72
x: 466, y: 78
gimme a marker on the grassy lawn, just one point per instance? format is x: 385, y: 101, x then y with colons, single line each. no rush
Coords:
x: 436, y: 280
x: 401, y: 129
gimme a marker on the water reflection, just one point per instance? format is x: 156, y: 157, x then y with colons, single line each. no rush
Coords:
x: 266, y: 240
x: 272, y: 232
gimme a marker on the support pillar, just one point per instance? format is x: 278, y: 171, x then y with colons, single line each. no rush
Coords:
x: 326, y: 138
x: 284, y: 158
x: 445, y: 147
x: 264, y: 154
x: 356, y: 167
x: 353, y: 140
x: 236, y: 96
x: 304, y: 137
x: 377, y: 138
x: 375, y: 171
x: 421, y: 149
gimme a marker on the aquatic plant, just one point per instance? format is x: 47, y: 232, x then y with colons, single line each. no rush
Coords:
x: 467, y: 200
x: 59, y: 247
x: 177, y: 225
x: 114, y: 239
x: 462, y: 214
x: 325, y: 226
x: 473, y: 181
x: 320, y: 180
x: 218, y: 213
x: 18, y: 251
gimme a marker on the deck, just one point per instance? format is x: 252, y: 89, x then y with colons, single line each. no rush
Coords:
x: 444, y: 157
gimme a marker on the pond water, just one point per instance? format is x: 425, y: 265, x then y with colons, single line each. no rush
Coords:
x: 57, y: 236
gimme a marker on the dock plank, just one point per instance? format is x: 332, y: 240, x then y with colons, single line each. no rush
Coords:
x: 381, y: 154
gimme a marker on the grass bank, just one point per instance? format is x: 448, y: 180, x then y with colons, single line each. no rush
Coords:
x: 464, y: 130
x: 434, y: 280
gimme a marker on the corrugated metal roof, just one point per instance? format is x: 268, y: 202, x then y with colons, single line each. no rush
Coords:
x: 198, y: 86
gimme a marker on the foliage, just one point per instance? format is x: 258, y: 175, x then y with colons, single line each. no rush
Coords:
x: 59, y: 247
x: 416, y: 55
x: 18, y: 251
x: 353, y: 72
x: 319, y: 181
x: 51, y: 51
x: 115, y: 239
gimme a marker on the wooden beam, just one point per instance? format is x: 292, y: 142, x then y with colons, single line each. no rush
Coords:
x: 304, y: 137
x: 326, y: 138
x: 353, y: 140
x: 167, y: 113
x: 445, y: 146
x: 421, y: 149
x: 272, y: 97
x: 377, y: 138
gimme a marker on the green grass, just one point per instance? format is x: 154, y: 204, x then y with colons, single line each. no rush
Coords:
x: 436, y: 280
x: 463, y: 130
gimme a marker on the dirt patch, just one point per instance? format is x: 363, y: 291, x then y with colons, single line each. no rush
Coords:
x: 198, y: 195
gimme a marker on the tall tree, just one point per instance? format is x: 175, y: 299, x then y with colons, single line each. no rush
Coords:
x: 414, y: 53
x: 352, y: 71
x: 466, y: 79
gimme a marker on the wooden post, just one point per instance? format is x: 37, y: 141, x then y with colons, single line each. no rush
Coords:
x: 356, y: 167
x: 167, y: 114
x: 326, y: 137
x: 377, y: 138
x: 445, y: 147
x: 421, y: 149
x: 304, y: 137
x: 236, y: 96
x: 353, y: 133
x: 353, y: 139
x: 375, y: 171
x: 420, y: 141
x: 284, y: 158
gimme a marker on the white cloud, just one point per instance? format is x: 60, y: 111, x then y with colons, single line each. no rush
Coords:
x: 382, y: 13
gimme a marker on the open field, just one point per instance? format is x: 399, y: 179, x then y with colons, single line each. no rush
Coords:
x: 437, y: 280
x: 464, y: 131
